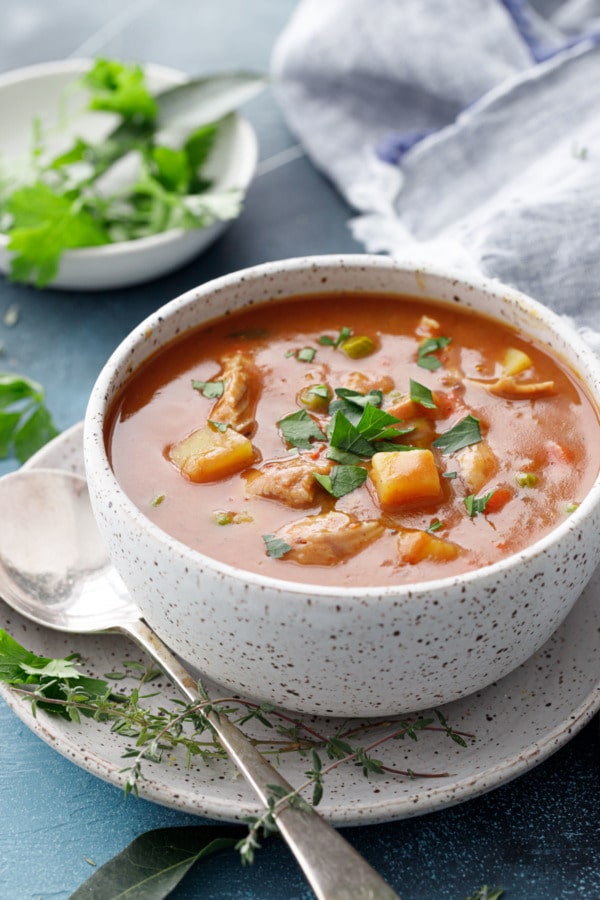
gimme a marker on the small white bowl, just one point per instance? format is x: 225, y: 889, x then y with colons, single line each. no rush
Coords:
x: 35, y: 92
x: 330, y: 650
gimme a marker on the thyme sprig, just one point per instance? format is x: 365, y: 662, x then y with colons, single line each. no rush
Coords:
x: 56, y: 686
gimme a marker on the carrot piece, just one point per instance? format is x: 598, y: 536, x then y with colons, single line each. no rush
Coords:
x: 498, y: 500
x: 415, y: 546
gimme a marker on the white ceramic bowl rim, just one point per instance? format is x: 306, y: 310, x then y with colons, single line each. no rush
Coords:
x: 96, y: 451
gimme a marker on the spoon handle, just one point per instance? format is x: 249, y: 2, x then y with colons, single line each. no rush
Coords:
x: 333, y: 868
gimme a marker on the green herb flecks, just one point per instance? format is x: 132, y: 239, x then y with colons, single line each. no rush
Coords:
x: 326, y: 341
x: 475, y: 505
x: 426, y: 352
x: 300, y: 430
x: 316, y: 397
x: 276, y: 547
x: 463, y: 434
x: 434, y: 526
x: 421, y: 395
x: 343, y: 479
x: 25, y: 422
x: 212, y: 390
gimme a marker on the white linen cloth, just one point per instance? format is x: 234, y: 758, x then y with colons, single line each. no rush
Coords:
x: 464, y: 132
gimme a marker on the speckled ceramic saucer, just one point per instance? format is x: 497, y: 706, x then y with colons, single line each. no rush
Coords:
x: 516, y: 723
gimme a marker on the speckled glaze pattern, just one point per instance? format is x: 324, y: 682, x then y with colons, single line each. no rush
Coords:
x: 334, y: 651
x: 516, y: 723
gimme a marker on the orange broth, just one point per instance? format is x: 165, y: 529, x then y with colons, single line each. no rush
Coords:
x: 544, y: 450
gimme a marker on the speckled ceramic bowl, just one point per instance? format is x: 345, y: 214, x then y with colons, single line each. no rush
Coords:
x: 327, y: 650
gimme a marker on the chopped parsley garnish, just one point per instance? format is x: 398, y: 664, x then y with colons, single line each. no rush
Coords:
x: 319, y: 390
x: 212, y: 390
x: 463, y: 434
x: 276, y: 547
x: 343, y: 435
x: 300, y: 430
x: 422, y: 395
x: 343, y: 479
x: 326, y: 341
x: 426, y: 357
x: 475, y: 505
x: 434, y: 526
x: 306, y: 354
x: 218, y: 426
x: 449, y: 475
x: 352, y: 403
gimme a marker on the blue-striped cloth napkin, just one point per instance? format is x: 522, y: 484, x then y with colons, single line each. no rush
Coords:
x: 465, y: 132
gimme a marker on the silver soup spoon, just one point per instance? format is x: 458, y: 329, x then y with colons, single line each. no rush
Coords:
x: 55, y: 570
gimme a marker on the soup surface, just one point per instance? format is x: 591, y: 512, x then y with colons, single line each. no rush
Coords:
x: 354, y: 440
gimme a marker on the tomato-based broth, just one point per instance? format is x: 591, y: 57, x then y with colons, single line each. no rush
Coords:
x: 355, y: 440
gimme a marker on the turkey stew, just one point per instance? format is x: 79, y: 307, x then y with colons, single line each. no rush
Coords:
x: 355, y: 440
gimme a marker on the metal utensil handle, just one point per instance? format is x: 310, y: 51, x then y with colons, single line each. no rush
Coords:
x: 331, y: 865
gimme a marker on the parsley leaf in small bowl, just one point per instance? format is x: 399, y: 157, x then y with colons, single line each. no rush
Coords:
x: 112, y: 174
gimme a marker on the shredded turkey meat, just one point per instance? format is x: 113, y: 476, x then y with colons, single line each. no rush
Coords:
x: 290, y: 481
x: 328, y: 538
x: 237, y: 405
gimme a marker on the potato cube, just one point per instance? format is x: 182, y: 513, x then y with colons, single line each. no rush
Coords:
x: 515, y: 361
x: 209, y: 454
x: 405, y: 477
x: 415, y: 546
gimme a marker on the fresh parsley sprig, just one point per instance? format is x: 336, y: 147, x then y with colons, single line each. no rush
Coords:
x: 67, y: 201
x: 427, y: 350
x: 25, y: 422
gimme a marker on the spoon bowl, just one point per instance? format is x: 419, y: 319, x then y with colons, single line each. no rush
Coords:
x: 55, y: 571
x: 54, y: 568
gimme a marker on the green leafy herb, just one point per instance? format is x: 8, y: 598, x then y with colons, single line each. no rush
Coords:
x: 343, y: 435
x: 434, y: 526
x: 300, y: 430
x: 153, y: 864
x: 25, y: 422
x: 475, y: 505
x: 49, y: 680
x: 422, y: 395
x: 67, y: 202
x: 276, y: 547
x: 209, y: 389
x: 306, y: 354
x: 352, y: 403
x: 157, y: 500
x: 450, y: 475
x: 463, y: 434
x: 327, y: 341
x: 426, y: 351
x: 120, y: 89
x: 343, y: 479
